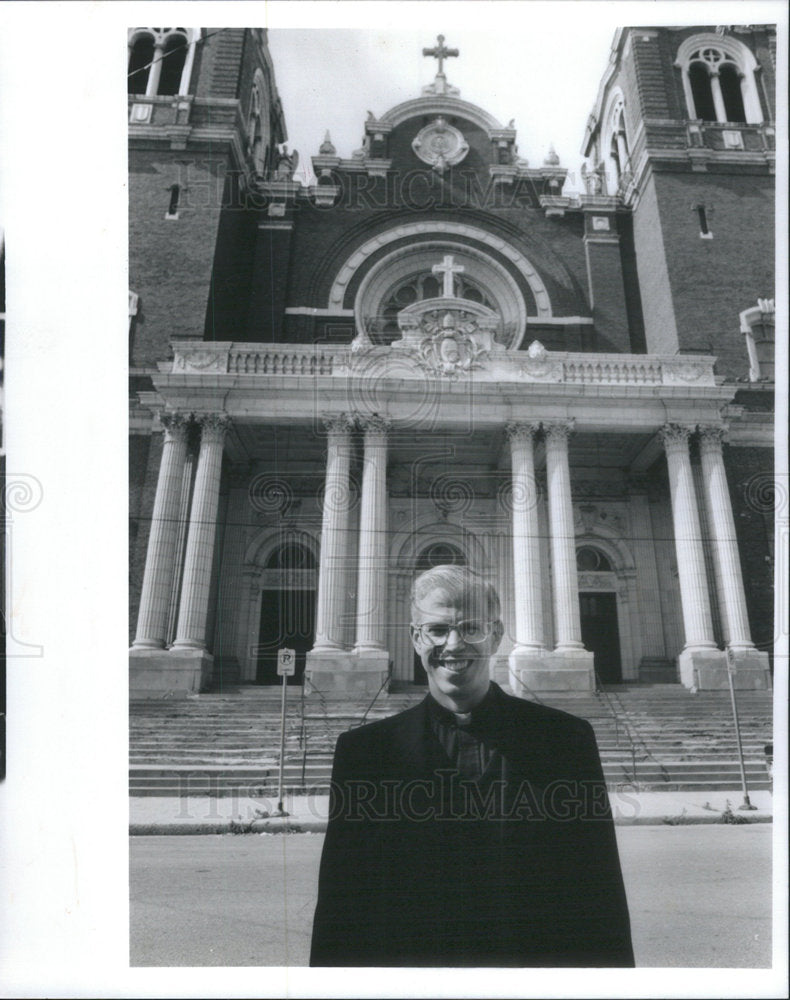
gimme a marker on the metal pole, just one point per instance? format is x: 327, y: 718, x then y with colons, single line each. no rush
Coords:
x: 280, y: 811
x: 746, y: 804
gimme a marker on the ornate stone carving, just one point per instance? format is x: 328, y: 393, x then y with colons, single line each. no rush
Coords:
x: 201, y: 361
x: 337, y: 422
x: 559, y: 430
x: 175, y: 424
x: 539, y: 365
x: 440, y: 145
x: 675, y: 437
x: 711, y: 438
x: 453, y: 342
x: 373, y: 423
x: 214, y: 426
x: 521, y: 431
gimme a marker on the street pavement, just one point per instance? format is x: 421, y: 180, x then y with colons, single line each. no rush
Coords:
x: 699, y: 896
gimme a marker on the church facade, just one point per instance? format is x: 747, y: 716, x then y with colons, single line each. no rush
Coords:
x: 433, y: 355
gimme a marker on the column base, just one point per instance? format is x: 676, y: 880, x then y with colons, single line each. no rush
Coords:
x: 558, y: 670
x: 160, y: 673
x: 706, y: 670
x: 347, y: 675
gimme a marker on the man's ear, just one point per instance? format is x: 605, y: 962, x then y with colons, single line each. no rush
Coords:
x: 415, y: 639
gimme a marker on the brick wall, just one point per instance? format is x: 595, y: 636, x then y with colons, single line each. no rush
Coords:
x: 713, y: 280
x: 170, y: 261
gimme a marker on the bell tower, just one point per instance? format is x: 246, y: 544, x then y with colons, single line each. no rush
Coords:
x: 683, y: 131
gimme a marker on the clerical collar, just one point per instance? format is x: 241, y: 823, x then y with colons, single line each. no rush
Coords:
x: 480, y: 714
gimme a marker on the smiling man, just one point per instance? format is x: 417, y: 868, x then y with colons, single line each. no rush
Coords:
x: 473, y: 829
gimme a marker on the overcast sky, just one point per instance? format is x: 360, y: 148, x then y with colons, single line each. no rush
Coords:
x: 538, y: 63
x: 532, y: 71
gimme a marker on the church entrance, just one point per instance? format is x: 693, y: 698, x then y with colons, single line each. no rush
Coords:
x: 600, y: 634
x: 287, y: 611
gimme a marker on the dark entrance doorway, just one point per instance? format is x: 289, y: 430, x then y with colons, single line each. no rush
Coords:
x: 601, y: 635
x: 287, y: 620
x: 287, y: 610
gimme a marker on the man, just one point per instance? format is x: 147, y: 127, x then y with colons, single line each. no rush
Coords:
x: 473, y: 829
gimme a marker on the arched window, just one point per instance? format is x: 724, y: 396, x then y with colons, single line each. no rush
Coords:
x: 719, y: 80
x: 615, y: 153
x: 160, y: 61
x: 291, y: 555
x: 592, y: 560
x: 258, y: 131
x: 440, y: 554
x: 757, y: 325
x: 416, y: 289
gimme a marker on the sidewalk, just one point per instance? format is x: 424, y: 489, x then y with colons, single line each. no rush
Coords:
x: 307, y: 814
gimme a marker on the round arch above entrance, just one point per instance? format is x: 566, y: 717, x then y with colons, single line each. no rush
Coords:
x: 607, y: 601
x: 281, y: 609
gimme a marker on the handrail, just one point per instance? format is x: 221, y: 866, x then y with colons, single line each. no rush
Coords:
x: 385, y: 682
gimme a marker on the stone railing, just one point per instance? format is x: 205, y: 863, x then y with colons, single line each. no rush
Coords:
x: 525, y: 367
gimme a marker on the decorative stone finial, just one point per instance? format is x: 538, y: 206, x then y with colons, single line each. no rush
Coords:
x: 326, y: 148
x: 552, y: 159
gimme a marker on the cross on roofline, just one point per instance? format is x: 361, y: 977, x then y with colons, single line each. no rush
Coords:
x: 440, y: 52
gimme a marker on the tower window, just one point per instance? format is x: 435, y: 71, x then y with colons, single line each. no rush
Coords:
x: 719, y: 79
x: 172, y: 209
x: 729, y: 80
x: 140, y: 59
x: 174, y: 56
x: 699, y: 78
x: 704, y: 229
x: 160, y: 61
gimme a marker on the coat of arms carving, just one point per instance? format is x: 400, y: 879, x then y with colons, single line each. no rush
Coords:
x: 453, y: 343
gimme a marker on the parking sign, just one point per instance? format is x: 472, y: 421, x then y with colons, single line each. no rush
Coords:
x: 286, y: 662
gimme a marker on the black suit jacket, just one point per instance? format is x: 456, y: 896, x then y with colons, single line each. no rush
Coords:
x: 422, y: 869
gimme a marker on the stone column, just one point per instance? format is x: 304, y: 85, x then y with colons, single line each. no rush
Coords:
x: 567, y: 617
x: 160, y: 557
x: 180, y: 543
x: 526, y: 540
x: 725, y: 546
x: 699, y: 652
x: 334, y: 536
x: 751, y: 665
x: 718, y: 99
x: 372, y: 575
x: 152, y: 87
x: 199, y: 557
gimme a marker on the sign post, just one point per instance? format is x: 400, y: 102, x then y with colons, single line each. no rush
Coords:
x: 286, y: 667
x: 746, y: 804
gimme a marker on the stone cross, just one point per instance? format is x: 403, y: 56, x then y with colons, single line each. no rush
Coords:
x: 448, y: 269
x: 440, y: 52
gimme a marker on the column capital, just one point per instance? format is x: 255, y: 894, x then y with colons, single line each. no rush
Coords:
x: 373, y: 423
x: 521, y: 430
x: 558, y: 431
x: 711, y: 437
x: 213, y: 426
x: 337, y: 423
x: 675, y: 437
x: 174, y: 423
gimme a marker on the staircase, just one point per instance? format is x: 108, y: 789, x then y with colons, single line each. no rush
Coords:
x: 657, y: 737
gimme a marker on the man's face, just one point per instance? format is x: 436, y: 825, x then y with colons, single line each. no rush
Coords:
x: 457, y: 667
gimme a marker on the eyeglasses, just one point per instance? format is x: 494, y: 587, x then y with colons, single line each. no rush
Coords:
x: 437, y: 633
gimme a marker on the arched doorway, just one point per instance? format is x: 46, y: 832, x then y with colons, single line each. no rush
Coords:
x: 287, y: 616
x: 598, y: 609
x: 435, y: 554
